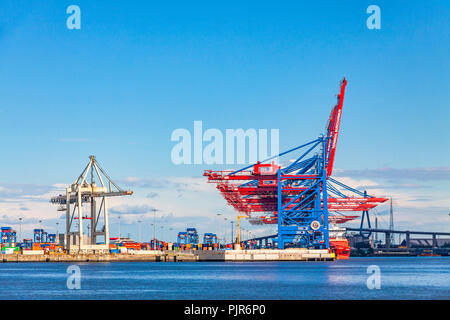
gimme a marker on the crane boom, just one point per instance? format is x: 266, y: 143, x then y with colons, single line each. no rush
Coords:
x: 333, y: 127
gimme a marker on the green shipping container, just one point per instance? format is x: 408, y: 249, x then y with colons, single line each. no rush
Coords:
x: 14, y: 248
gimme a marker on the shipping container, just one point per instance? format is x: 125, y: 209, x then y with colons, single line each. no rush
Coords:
x: 32, y: 252
x: 123, y: 250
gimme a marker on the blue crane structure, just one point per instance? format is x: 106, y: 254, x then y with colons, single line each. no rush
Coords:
x: 182, y: 237
x: 8, y: 236
x: 298, y: 196
x: 190, y: 236
x: 39, y: 236
x: 209, y: 239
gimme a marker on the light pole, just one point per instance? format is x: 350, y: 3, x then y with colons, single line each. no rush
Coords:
x: 41, y: 232
x: 57, y: 232
x: 232, y: 237
x: 161, y: 234
x: 154, y: 227
x: 218, y: 229
x: 225, y: 232
x: 151, y: 225
x: 20, y: 228
x: 139, y: 230
x: 119, y: 228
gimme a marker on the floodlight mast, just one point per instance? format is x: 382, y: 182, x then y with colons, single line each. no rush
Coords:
x: 84, y: 191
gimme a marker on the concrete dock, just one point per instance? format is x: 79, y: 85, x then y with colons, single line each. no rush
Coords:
x: 266, y: 255
x: 193, y: 256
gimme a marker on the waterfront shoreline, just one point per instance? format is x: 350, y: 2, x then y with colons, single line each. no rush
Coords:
x: 180, y: 256
x: 192, y: 256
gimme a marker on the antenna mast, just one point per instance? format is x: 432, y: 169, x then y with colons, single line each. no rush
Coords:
x: 391, y: 222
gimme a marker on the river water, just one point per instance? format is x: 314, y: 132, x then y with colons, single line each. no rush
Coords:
x: 399, y: 278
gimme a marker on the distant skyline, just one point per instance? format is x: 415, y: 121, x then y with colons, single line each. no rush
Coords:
x: 135, y: 72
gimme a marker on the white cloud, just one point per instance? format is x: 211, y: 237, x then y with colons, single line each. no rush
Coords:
x: 422, y: 174
x: 414, y: 208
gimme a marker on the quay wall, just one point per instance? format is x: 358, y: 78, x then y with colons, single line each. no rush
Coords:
x: 173, y: 256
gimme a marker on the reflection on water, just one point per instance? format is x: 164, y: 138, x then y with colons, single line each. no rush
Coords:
x: 401, y: 278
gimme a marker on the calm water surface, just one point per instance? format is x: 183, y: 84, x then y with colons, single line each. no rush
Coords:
x: 401, y: 278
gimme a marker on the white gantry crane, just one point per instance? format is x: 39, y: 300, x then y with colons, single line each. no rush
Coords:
x: 92, y: 187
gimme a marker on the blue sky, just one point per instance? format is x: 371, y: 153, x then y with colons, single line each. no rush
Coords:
x: 138, y: 70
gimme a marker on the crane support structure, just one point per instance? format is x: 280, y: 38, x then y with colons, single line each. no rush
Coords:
x: 238, y: 236
x: 299, y: 196
x: 85, y: 190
